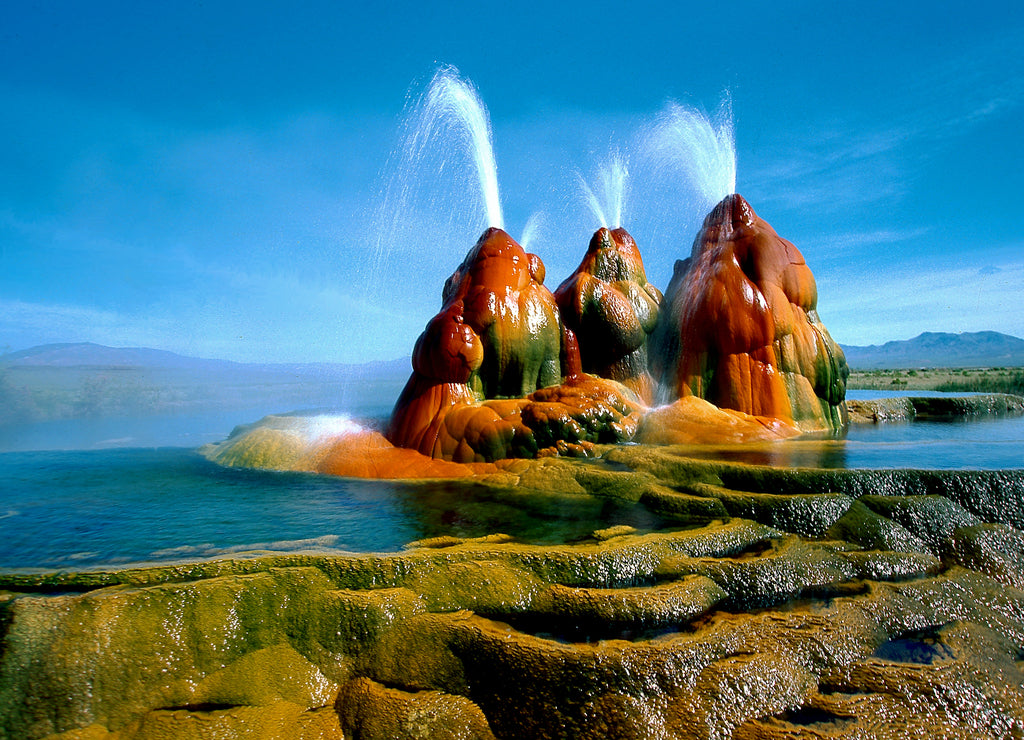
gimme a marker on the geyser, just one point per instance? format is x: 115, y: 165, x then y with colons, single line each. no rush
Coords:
x: 607, y: 303
x: 508, y: 369
x: 606, y: 202
x: 741, y: 328
x: 612, y: 309
x: 748, y: 602
x: 700, y: 149
x: 736, y: 346
x: 452, y: 118
x: 440, y: 184
x: 487, y: 369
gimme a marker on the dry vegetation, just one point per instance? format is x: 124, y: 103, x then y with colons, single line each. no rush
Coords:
x: 977, y: 379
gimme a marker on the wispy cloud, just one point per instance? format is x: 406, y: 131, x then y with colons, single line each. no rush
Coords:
x: 58, y: 322
x: 253, y: 317
x: 962, y: 297
x: 242, y: 241
x: 857, y: 240
x: 854, y: 252
x: 976, y: 84
x: 867, y: 159
x: 830, y: 171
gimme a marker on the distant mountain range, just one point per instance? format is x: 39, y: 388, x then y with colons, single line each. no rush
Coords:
x: 940, y: 349
x: 930, y: 349
x: 89, y: 355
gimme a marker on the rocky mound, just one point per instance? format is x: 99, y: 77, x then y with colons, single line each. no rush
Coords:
x: 740, y: 326
x: 612, y: 309
x: 487, y: 370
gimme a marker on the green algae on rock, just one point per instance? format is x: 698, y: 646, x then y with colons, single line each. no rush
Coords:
x: 744, y: 612
x: 381, y: 662
x: 740, y: 328
x: 612, y: 309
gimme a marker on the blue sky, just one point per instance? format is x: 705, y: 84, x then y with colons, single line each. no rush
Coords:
x: 207, y: 178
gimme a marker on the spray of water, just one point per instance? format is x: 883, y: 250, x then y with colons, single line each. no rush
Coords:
x: 533, y: 226
x: 439, y: 192
x: 606, y: 200
x: 451, y: 120
x: 324, y: 426
x: 701, y: 147
x: 441, y: 182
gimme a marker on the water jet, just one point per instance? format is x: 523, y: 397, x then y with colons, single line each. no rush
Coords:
x: 449, y: 122
x: 606, y: 203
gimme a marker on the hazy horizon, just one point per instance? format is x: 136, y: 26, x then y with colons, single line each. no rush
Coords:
x: 5, y: 352
x: 206, y: 178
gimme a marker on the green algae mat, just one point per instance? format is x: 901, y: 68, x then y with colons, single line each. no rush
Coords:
x: 764, y: 603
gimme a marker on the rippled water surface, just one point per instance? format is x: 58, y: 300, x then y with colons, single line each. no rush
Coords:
x: 73, y: 509
x: 79, y: 509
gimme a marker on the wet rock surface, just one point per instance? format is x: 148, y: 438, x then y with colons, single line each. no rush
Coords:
x: 612, y: 309
x: 508, y: 369
x: 763, y: 603
x: 739, y: 326
x: 496, y: 375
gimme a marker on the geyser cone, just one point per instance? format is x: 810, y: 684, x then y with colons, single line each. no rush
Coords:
x: 741, y: 327
x: 497, y: 335
x: 512, y: 314
x: 612, y: 309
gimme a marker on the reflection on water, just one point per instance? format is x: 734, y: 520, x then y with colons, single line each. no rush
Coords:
x: 825, y: 453
x: 80, y: 509
x: 74, y: 510
x: 984, y: 443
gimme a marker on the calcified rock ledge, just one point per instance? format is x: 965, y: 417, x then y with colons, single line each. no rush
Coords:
x: 909, y: 408
x: 767, y: 603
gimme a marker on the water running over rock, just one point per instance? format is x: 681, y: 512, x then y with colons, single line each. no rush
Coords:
x: 742, y: 329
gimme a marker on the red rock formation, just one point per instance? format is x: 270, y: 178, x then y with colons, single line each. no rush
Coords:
x: 740, y: 327
x: 612, y: 309
x: 477, y: 367
x: 514, y: 317
x: 497, y: 334
x: 692, y: 420
x: 369, y: 455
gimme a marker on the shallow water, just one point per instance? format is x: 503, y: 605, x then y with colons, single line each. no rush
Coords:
x: 81, y: 509
x: 985, y: 443
x: 74, y: 509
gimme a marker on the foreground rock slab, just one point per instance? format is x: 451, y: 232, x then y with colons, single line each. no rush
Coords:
x: 760, y: 603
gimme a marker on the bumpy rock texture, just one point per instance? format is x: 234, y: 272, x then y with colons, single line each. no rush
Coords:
x: 497, y: 334
x: 487, y: 368
x: 756, y: 603
x: 612, y: 309
x: 740, y: 328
